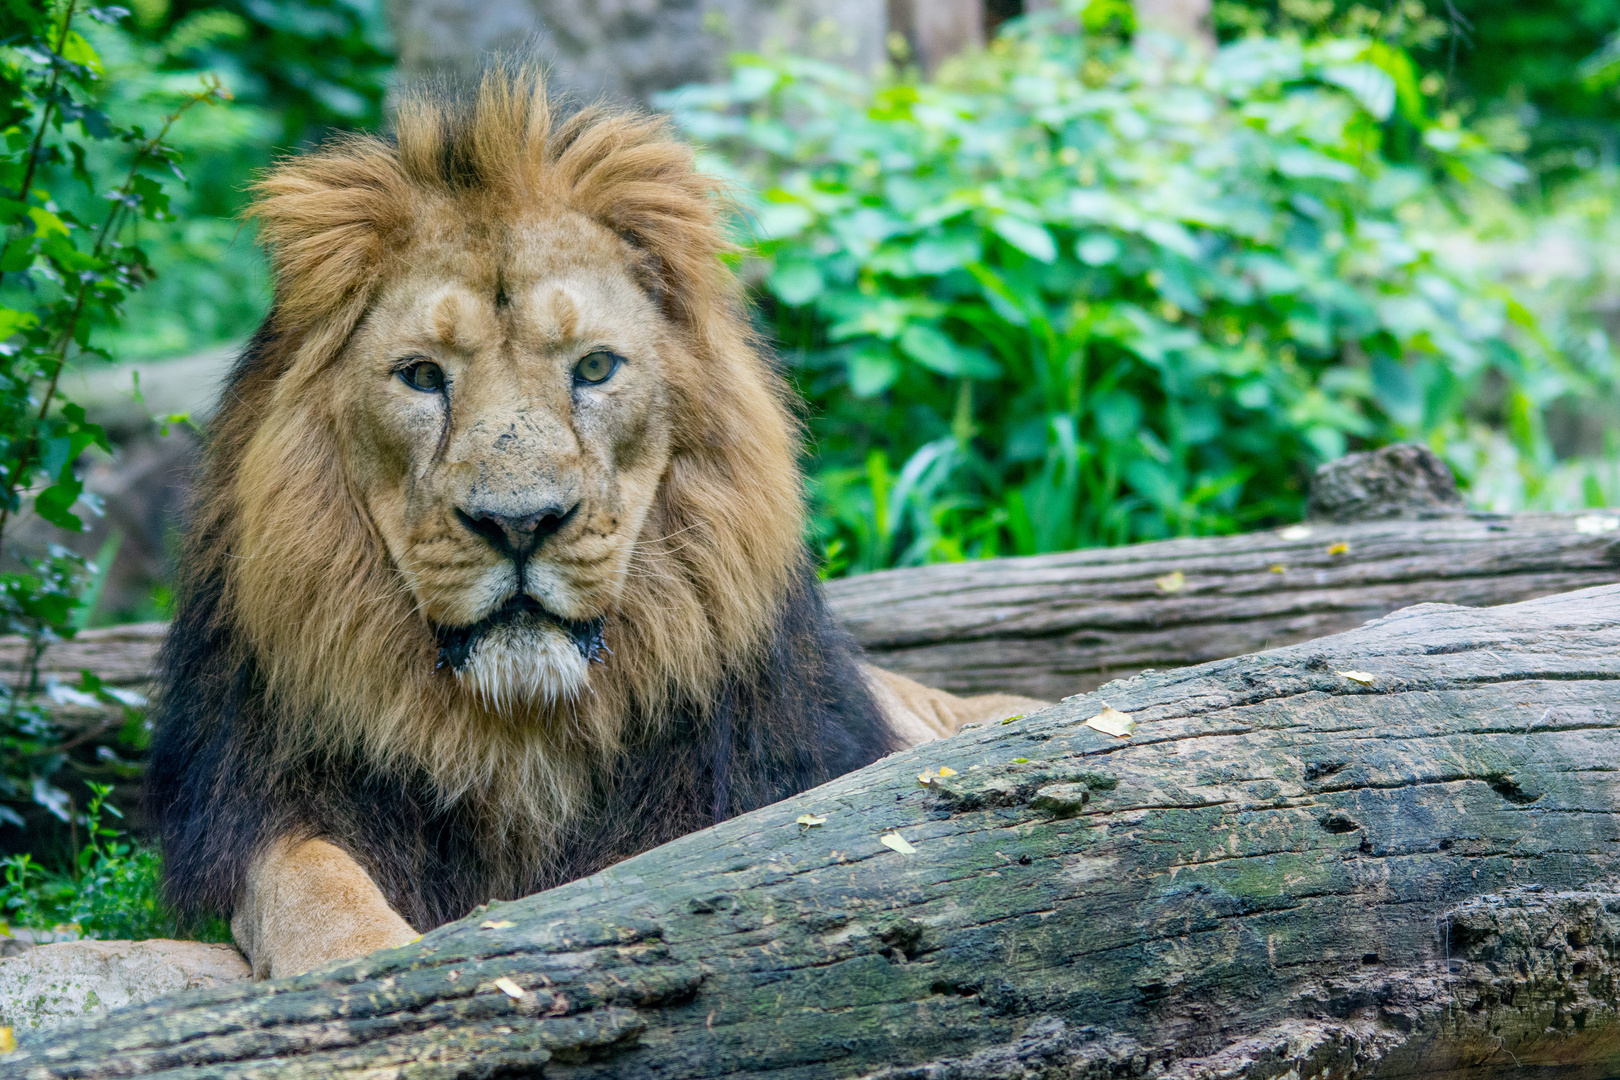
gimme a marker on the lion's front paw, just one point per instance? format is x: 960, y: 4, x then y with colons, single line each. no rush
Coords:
x: 309, y: 904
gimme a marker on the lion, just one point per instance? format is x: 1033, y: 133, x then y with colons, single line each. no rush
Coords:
x: 495, y: 571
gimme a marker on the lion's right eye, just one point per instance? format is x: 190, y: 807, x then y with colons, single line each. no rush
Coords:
x: 424, y: 375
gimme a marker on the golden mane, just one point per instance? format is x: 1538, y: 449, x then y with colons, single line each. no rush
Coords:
x: 306, y: 590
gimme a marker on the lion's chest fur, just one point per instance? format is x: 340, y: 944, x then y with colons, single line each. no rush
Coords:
x: 506, y: 816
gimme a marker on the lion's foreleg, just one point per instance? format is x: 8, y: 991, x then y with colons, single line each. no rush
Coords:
x: 919, y: 713
x: 307, y: 903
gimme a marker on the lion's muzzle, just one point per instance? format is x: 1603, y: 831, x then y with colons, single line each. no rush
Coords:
x: 457, y: 643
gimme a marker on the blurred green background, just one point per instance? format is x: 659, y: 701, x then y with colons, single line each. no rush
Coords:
x: 1079, y: 275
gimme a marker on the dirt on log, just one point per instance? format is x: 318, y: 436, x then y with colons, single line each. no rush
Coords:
x: 1389, y: 853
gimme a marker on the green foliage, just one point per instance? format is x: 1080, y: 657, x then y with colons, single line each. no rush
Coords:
x: 296, y: 71
x: 1541, y: 78
x: 213, y: 285
x: 1075, y: 294
x: 67, y: 266
x: 314, y: 65
x: 111, y: 892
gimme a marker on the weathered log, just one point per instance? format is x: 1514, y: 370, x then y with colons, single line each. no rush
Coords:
x: 1051, y: 625
x: 1392, y: 852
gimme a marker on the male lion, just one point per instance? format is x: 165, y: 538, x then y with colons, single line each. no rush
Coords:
x: 495, y: 575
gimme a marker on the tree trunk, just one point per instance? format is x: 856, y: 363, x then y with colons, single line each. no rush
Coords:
x: 1387, y: 853
x: 936, y: 30
x: 629, y: 50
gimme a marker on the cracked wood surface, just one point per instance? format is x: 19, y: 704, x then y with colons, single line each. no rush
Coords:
x: 1282, y: 871
x: 1053, y: 625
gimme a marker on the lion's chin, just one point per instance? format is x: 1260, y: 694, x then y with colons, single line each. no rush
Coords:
x: 515, y: 665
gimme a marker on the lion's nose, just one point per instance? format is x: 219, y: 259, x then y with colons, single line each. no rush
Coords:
x: 516, y: 537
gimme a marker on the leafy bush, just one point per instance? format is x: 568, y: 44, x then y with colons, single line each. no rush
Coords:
x: 314, y: 65
x: 1076, y: 293
x: 112, y: 890
x: 212, y: 285
x: 68, y: 264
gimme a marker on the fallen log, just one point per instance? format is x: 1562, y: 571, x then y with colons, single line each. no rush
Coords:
x: 1052, y: 625
x: 1392, y: 852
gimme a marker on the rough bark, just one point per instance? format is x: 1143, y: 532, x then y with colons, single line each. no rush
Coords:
x: 1051, y: 625
x: 1409, y: 870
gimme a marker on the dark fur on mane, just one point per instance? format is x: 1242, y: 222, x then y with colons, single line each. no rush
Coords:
x: 221, y: 787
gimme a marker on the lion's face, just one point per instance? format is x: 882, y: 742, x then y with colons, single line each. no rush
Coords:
x: 505, y: 425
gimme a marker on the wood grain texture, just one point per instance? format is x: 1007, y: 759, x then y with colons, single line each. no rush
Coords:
x: 1283, y: 871
x: 1053, y: 625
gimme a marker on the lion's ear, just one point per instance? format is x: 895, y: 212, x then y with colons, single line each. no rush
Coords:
x: 326, y: 218
x: 630, y: 174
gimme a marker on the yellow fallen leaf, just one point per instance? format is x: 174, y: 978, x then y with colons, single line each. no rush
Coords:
x: 1341, y: 548
x: 811, y: 820
x: 1010, y: 719
x: 1296, y: 532
x: 8, y: 1041
x: 1020, y: 761
x: 1112, y: 722
x: 1278, y: 568
x: 946, y: 770
x: 493, y: 924
x: 1174, y: 581
x: 1365, y: 678
x: 897, y: 842
x: 509, y: 988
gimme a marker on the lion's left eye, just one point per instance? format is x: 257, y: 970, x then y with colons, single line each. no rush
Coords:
x: 424, y: 375
x: 596, y: 367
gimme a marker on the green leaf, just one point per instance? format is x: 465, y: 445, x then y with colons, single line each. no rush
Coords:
x: 1153, y: 482
x: 18, y: 254
x: 1027, y: 236
x: 940, y: 255
x: 79, y: 51
x: 13, y: 321
x: 55, y: 505
x: 872, y: 370
x: 777, y: 220
x: 934, y: 350
x: 1097, y: 249
x: 1300, y: 163
x: 796, y: 282
x: 1369, y: 84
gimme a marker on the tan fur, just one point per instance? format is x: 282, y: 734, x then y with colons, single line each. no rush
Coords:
x: 308, y: 903
x: 921, y: 714
x: 338, y: 484
x: 332, y: 577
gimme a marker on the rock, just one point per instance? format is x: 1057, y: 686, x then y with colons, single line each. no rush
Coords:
x: 1401, y: 481
x: 50, y: 984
